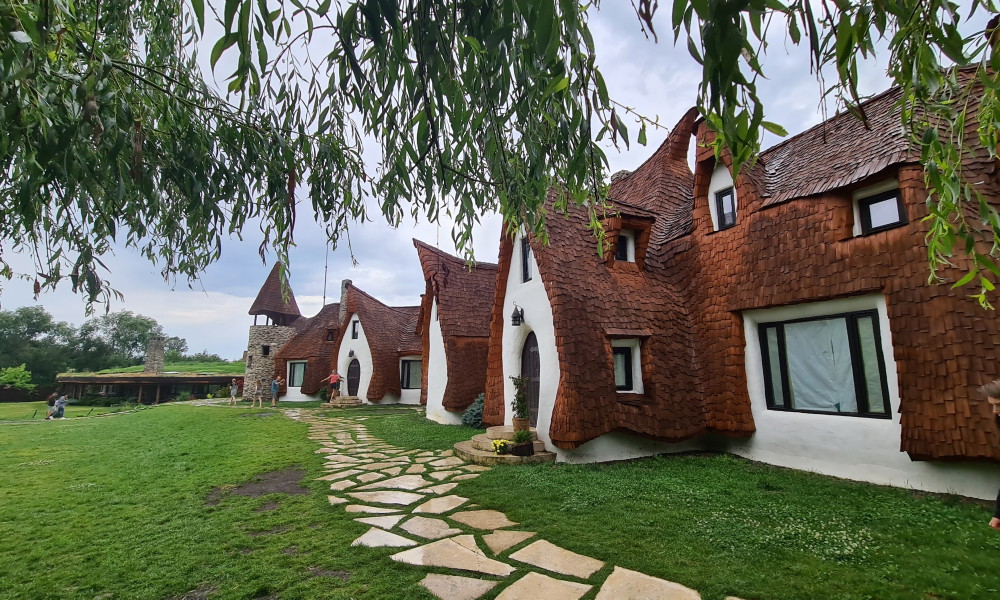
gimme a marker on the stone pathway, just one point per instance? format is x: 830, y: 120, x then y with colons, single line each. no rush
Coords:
x: 404, y: 497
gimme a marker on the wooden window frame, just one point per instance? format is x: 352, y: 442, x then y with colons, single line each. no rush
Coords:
x: 857, y: 368
x: 625, y: 351
x: 720, y: 214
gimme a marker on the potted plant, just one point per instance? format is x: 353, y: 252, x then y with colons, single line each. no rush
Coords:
x: 519, y: 405
x: 524, y: 443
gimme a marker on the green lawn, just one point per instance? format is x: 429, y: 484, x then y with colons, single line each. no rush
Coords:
x: 26, y: 411
x: 120, y: 508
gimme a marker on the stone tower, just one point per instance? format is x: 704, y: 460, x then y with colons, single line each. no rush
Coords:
x: 280, y: 312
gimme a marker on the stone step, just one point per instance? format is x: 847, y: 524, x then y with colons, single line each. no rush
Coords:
x: 506, y: 432
x: 466, y: 452
x: 342, y: 402
x: 482, y: 442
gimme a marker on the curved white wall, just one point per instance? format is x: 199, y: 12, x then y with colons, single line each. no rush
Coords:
x: 436, y: 364
x: 857, y: 448
x: 532, y: 298
x: 362, y: 352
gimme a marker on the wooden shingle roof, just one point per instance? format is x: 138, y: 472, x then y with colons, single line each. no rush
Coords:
x: 271, y: 303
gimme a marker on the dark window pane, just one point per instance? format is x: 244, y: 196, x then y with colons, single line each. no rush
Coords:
x: 884, y: 212
x: 296, y: 374
x: 623, y: 368
x: 774, y: 366
x: 725, y: 206
x: 525, y: 259
x: 621, y: 248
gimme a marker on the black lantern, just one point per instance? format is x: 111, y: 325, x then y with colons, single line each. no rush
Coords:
x: 517, y: 317
x: 350, y: 354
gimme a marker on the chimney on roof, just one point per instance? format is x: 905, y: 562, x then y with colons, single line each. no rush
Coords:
x: 993, y: 32
x: 346, y: 283
x: 620, y: 175
x: 154, y: 356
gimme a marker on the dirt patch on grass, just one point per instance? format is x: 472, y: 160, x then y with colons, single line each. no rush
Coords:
x: 291, y: 550
x: 317, y: 572
x: 284, y: 481
x: 200, y: 593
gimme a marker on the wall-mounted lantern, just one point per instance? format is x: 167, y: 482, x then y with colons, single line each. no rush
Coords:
x: 517, y: 317
x: 350, y: 354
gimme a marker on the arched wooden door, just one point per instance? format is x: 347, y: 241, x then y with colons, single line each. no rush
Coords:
x: 353, y: 377
x: 530, y: 367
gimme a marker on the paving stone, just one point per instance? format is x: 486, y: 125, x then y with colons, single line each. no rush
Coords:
x: 446, y: 453
x: 378, y: 466
x: 535, y: 586
x: 327, y: 450
x: 453, y: 587
x: 376, y: 537
x: 387, y: 522
x: 453, y: 461
x: 475, y: 468
x: 553, y: 558
x: 342, y: 485
x: 469, y: 476
x: 403, y: 482
x: 415, y: 469
x: 370, y: 477
x: 498, y: 541
x: 483, y: 519
x: 424, y: 459
x: 340, y: 475
x: 431, y: 529
x: 393, y: 470
x: 388, y: 497
x: 341, y: 458
x: 451, y: 554
x: 443, y: 474
x: 372, y: 455
x: 361, y: 508
x: 336, y: 500
x: 443, y: 488
x: 624, y: 584
x: 441, y: 505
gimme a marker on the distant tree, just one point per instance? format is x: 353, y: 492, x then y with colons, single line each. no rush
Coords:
x: 29, y: 335
x: 16, y: 377
x: 119, y: 338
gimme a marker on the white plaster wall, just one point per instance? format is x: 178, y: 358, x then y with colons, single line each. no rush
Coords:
x: 857, y: 448
x: 436, y: 364
x: 294, y: 394
x: 532, y: 298
x: 622, y: 446
x: 721, y: 179
x: 362, y: 352
x: 407, y: 396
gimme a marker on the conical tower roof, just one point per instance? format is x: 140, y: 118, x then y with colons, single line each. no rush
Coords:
x: 270, y: 302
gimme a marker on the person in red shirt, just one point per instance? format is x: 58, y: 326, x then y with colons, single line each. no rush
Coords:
x: 334, y: 380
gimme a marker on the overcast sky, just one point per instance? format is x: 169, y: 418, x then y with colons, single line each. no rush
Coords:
x: 654, y: 78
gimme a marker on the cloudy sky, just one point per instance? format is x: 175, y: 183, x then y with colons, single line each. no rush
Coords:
x: 211, y: 313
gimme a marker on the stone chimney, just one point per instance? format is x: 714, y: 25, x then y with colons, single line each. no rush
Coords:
x: 344, y: 285
x: 154, y: 356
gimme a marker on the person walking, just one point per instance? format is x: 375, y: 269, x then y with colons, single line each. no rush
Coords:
x: 233, y: 390
x: 334, y: 380
x: 258, y: 394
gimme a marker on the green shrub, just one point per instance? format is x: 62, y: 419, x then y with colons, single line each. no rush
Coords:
x: 473, y: 416
x: 522, y: 436
x: 95, y: 401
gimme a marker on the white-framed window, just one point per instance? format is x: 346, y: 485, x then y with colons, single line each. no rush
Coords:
x: 296, y: 373
x: 722, y: 201
x: 625, y: 246
x: 628, y: 365
x: 878, y: 207
x: 409, y: 373
x: 354, y: 329
x: 831, y: 364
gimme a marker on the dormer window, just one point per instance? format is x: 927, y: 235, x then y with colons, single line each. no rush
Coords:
x: 625, y: 246
x: 627, y: 365
x: 525, y: 259
x: 722, y: 201
x: 330, y: 335
x: 881, y: 211
x: 725, y: 208
x: 878, y: 208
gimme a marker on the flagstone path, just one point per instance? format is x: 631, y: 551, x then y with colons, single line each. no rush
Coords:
x: 403, y: 495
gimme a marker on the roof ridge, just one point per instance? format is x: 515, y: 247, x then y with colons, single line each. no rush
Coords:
x: 419, y: 244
